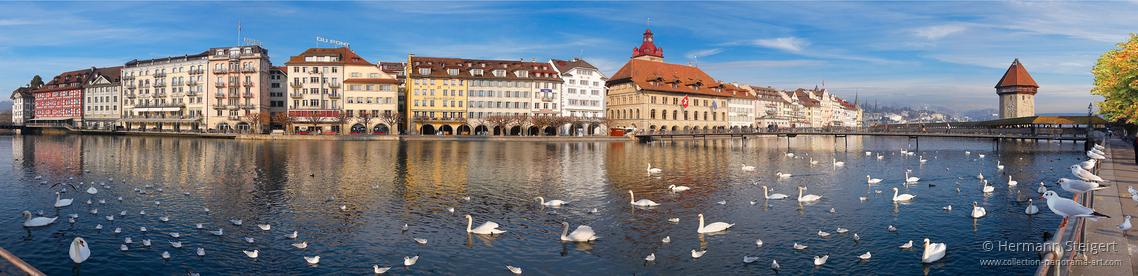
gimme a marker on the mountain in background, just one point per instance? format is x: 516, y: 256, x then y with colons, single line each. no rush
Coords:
x: 5, y: 105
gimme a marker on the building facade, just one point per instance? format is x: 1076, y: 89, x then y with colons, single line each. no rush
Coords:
x: 23, y: 105
x: 582, y: 94
x: 316, y: 82
x: 60, y: 101
x: 164, y: 93
x: 101, y: 94
x: 1017, y: 92
x: 278, y: 88
x: 240, y: 78
x: 370, y: 99
x: 648, y: 94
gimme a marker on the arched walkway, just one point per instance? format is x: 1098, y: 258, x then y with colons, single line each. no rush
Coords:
x: 533, y: 131
x: 516, y: 130
x: 480, y: 130
x: 357, y: 129
x: 498, y: 130
x: 427, y: 129
x: 550, y: 131
x: 446, y: 130
x: 380, y: 129
x: 463, y: 130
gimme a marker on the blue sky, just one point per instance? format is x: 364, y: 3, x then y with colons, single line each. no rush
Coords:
x: 941, y: 53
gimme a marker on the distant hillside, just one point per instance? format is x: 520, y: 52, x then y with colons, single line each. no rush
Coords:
x: 5, y: 105
x: 1061, y: 114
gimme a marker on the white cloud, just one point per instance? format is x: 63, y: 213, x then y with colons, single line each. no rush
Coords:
x: 935, y: 32
x: 11, y: 22
x: 792, y: 44
x: 761, y: 64
x: 704, y: 53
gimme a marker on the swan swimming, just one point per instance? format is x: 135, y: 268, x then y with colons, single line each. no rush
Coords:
x: 978, y: 211
x: 79, y: 250
x: 748, y: 168
x: 872, y: 180
x: 487, y: 228
x: 555, y: 202
x: 675, y: 188
x: 653, y: 170
x: 933, y: 252
x: 36, y: 222
x: 1031, y: 209
x: 62, y: 202
x: 901, y: 197
x: 583, y: 233
x: 773, y: 196
x: 713, y: 227
x: 642, y: 202
x: 806, y: 198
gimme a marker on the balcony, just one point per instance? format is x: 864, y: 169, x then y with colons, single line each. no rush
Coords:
x: 296, y: 95
x: 547, y: 99
x: 129, y: 95
x: 192, y: 82
x: 160, y: 84
x: 196, y: 71
x: 294, y: 85
x: 334, y: 96
x: 334, y: 85
x: 160, y: 105
x: 247, y: 95
x: 144, y: 85
x: 248, y: 83
x: 248, y: 106
x: 191, y: 93
x: 219, y: 84
x: 128, y: 78
x: 219, y: 95
x: 159, y: 94
x: 234, y: 84
x: 233, y: 95
x: 219, y: 70
x: 130, y: 86
x: 219, y: 106
x: 232, y: 107
x: 159, y: 75
x: 248, y: 70
x: 234, y: 118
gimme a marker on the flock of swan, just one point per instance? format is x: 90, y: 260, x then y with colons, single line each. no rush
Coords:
x: 1083, y: 181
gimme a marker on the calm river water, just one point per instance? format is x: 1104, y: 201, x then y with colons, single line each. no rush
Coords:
x: 301, y: 185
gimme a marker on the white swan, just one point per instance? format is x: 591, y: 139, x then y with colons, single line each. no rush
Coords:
x: 1031, y: 209
x: 980, y: 176
x: 1042, y: 189
x: 782, y: 175
x: 713, y: 227
x: 92, y: 190
x: 977, y: 211
x: 933, y: 252
x: 62, y: 202
x: 999, y: 166
x: 804, y: 198
x: 487, y: 228
x: 642, y: 202
x: 675, y: 188
x: 774, y: 196
x: 988, y: 188
x: 911, y: 179
x: 653, y: 170
x: 838, y: 163
x: 555, y: 202
x: 872, y: 180
x: 36, y: 222
x: 79, y: 250
x: 583, y: 233
x: 1012, y: 182
x: 748, y: 168
x: 812, y: 161
x: 901, y: 197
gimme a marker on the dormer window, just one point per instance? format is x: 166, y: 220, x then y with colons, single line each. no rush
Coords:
x: 522, y: 74
x: 424, y: 71
x: 499, y: 73
x: 452, y: 71
x: 476, y: 72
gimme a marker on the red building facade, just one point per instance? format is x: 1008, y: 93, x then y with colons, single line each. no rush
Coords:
x: 61, y: 100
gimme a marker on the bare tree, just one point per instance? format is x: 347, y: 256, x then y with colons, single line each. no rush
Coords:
x: 257, y: 120
x: 339, y: 120
x: 605, y: 121
x: 365, y: 118
x: 560, y: 121
x: 499, y: 121
x: 313, y: 118
x: 283, y: 119
x: 522, y: 121
x: 391, y: 119
x: 419, y: 120
x: 541, y: 122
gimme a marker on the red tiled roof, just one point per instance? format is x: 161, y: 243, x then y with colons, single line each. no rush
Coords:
x: 439, y: 68
x: 1016, y: 76
x: 110, y: 73
x: 658, y: 76
x: 394, y: 81
x: 345, y: 56
x: 566, y: 65
x: 77, y: 77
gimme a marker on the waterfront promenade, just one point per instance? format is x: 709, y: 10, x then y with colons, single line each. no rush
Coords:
x: 1116, y: 202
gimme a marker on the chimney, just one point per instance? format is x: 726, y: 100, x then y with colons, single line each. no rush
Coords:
x: 533, y: 60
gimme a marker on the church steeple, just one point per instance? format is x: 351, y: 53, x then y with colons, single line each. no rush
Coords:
x: 648, y: 49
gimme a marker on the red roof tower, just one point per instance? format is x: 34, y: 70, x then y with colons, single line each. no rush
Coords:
x: 1017, y: 92
x: 648, y: 49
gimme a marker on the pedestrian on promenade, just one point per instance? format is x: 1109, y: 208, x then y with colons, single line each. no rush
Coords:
x: 1134, y: 142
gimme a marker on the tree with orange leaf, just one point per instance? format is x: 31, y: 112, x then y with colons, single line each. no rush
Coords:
x: 1116, y: 80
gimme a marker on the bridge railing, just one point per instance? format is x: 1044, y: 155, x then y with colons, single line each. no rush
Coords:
x: 1034, y: 132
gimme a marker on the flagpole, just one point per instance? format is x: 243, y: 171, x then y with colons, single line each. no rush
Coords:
x: 238, y: 33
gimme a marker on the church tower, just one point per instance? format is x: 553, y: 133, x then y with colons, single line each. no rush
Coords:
x: 648, y: 49
x: 1017, y: 92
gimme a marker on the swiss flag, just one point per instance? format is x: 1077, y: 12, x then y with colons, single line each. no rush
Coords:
x: 685, y: 101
